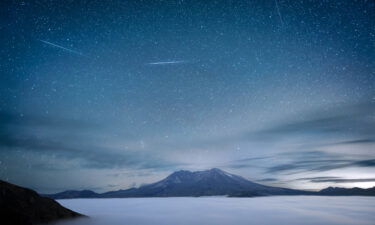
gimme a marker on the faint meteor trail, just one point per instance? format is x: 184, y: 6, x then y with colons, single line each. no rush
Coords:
x: 62, y: 47
x: 167, y: 62
x: 278, y: 12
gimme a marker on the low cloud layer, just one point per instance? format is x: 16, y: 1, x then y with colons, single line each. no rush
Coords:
x: 220, y: 210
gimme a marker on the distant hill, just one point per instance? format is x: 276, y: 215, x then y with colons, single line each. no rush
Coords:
x: 22, y: 206
x: 73, y: 194
x: 336, y: 191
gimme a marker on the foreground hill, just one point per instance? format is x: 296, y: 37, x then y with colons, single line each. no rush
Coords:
x: 22, y: 206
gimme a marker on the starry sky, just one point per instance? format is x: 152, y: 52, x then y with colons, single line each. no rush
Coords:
x: 107, y: 95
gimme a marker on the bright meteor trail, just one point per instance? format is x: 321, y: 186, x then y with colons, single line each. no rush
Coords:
x: 167, y: 62
x: 278, y: 12
x: 61, y: 47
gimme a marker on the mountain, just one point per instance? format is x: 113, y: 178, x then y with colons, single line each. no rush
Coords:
x: 207, y: 183
x: 185, y: 183
x: 22, y: 206
x: 73, y: 194
x: 336, y: 191
x: 201, y: 183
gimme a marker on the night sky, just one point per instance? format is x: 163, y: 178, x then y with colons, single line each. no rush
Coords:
x: 107, y: 95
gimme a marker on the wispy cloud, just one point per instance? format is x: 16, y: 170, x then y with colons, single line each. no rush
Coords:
x: 310, y: 139
x: 247, y: 162
x: 355, y: 120
x: 318, y: 161
x: 267, y: 180
x: 70, y: 139
x: 351, y: 124
x: 336, y: 180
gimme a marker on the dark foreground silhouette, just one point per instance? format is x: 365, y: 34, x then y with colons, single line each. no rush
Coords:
x: 22, y: 206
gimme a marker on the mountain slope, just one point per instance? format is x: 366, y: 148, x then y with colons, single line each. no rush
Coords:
x: 25, y: 207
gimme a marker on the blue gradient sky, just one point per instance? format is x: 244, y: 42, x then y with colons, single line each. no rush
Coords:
x: 106, y: 95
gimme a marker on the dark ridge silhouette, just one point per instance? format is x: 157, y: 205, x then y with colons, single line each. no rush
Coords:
x: 22, y: 206
x: 74, y: 194
x: 336, y: 191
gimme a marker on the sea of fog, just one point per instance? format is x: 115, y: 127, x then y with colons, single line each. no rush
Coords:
x: 291, y: 210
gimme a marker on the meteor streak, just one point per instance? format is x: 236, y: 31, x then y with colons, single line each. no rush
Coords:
x: 278, y: 12
x: 167, y: 62
x: 61, y: 47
